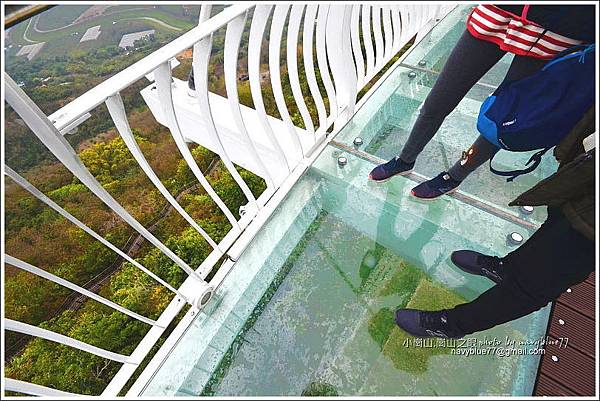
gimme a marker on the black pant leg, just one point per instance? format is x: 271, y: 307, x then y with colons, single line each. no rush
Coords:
x: 553, y: 259
x: 469, y: 60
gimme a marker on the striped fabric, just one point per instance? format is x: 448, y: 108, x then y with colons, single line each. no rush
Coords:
x: 516, y: 34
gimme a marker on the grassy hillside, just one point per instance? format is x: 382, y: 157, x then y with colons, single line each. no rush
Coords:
x: 115, y: 22
x: 57, y: 17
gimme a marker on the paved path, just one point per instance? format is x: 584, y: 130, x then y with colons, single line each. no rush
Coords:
x: 162, y: 23
x: 26, y: 29
x: 37, y: 30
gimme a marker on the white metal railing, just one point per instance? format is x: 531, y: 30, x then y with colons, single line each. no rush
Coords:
x: 332, y: 40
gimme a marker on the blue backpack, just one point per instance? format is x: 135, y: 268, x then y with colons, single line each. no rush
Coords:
x: 538, y: 111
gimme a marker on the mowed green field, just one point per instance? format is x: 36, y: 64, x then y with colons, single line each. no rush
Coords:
x: 120, y: 20
x: 57, y: 17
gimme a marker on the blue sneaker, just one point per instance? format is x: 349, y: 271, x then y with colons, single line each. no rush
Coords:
x: 385, y: 171
x: 477, y: 263
x: 425, y: 324
x: 436, y: 187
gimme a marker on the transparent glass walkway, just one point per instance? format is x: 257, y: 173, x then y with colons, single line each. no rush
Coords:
x: 308, y: 308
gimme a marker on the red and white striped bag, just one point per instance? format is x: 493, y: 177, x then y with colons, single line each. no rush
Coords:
x: 516, y: 34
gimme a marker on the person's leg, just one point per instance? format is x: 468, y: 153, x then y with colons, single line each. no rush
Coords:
x: 482, y: 150
x: 469, y: 60
x: 553, y: 259
x: 478, y: 153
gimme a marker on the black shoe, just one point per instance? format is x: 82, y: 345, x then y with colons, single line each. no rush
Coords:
x: 385, y: 171
x: 436, y: 187
x: 478, y: 263
x: 425, y: 324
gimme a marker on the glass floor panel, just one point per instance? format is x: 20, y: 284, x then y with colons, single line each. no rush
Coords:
x: 386, y: 118
x: 308, y: 307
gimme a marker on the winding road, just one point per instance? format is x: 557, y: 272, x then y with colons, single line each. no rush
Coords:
x: 25, y: 38
x: 36, y: 19
x: 162, y: 23
x: 38, y: 30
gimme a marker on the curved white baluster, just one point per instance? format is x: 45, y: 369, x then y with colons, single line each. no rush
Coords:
x: 58, y: 145
x: 257, y: 30
x: 397, y: 24
x: 35, y: 389
x: 436, y: 11
x: 117, y: 112
x: 279, y: 17
x: 18, y: 263
x: 322, y: 59
x: 356, y: 49
x: 292, y: 64
x: 23, y: 183
x: 407, y: 23
x: 233, y: 38
x: 200, y: 65
x: 376, y: 16
x: 427, y: 12
x: 389, y: 37
x: 420, y: 16
x: 204, y: 14
x: 413, y: 19
x: 339, y: 46
x: 367, y: 40
x: 163, y: 86
x: 309, y: 64
x: 35, y: 331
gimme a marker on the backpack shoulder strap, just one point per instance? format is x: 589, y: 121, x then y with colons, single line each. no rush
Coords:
x: 536, y: 158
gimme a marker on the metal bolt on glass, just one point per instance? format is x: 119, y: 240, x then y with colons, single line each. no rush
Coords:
x: 412, y: 74
x: 422, y: 63
x: 526, y: 210
x: 358, y: 141
x: 515, y: 238
x: 342, y: 161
